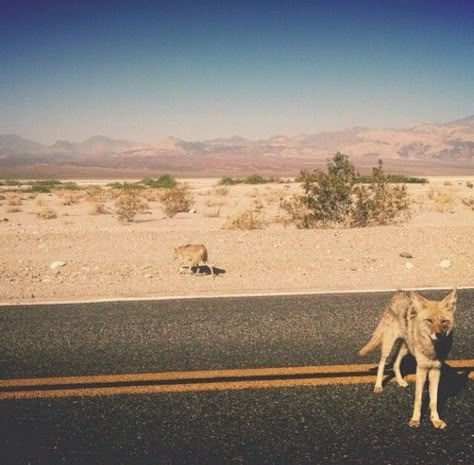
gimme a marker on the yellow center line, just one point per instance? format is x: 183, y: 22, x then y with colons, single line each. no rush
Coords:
x: 181, y: 375
x: 342, y: 375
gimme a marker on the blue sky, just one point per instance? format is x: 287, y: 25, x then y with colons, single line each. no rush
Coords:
x: 144, y: 70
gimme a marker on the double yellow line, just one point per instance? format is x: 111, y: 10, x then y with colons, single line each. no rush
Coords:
x: 187, y: 381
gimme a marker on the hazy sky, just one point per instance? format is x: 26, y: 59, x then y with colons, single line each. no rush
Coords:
x: 143, y: 70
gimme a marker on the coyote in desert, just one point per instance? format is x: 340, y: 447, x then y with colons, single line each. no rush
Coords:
x: 191, y: 255
x: 419, y: 326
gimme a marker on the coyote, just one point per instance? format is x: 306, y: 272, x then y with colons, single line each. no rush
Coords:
x: 419, y: 326
x: 191, y: 255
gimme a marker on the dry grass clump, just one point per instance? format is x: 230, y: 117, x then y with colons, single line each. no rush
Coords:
x: 295, y: 211
x: 176, y: 200
x: 98, y: 209
x: 96, y: 194
x: 257, y: 204
x: 13, y: 210
x: 14, y: 201
x: 151, y: 195
x: 274, y: 196
x: 469, y: 202
x: 46, y: 213
x: 221, y: 191
x: 69, y: 197
x: 244, y: 220
x: 442, y: 201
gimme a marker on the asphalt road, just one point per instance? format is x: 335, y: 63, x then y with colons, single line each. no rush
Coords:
x: 335, y: 422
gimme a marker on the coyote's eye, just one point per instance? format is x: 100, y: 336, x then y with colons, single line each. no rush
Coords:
x: 445, y: 322
x: 429, y: 320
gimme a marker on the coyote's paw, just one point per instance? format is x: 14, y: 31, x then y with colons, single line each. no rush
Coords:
x: 402, y: 383
x: 414, y: 423
x: 378, y: 389
x: 439, y: 424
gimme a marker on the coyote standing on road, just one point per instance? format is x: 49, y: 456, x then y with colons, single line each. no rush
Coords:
x: 191, y: 255
x: 420, y: 326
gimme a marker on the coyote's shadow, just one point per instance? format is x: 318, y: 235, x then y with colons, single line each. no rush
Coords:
x: 203, y: 270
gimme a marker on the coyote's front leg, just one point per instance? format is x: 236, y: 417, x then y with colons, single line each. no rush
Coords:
x: 433, y: 376
x: 421, y: 373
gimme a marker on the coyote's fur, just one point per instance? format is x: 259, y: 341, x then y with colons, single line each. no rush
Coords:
x: 419, y: 326
x: 191, y: 255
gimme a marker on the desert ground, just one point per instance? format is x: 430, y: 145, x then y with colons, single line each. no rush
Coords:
x: 71, y: 246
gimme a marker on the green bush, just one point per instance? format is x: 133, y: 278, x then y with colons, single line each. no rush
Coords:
x: 257, y: 179
x: 333, y: 199
x: 39, y: 188
x: 12, y: 182
x: 328, y: 196
x: 392, y: 179
x: 70, y: 186
x: 125, y: 185
x: 165, y: 181
x: 228, y: 181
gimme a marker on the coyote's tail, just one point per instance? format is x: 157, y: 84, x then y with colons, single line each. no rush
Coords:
x: 375, y: 340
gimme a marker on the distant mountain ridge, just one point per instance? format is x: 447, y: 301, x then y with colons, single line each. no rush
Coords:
x: 451, y: 142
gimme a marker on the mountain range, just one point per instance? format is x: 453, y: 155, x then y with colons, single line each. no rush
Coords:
x: 420, y: 149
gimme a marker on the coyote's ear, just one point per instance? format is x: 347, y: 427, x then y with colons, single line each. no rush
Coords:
x: 450, y: 300
x: 419, y: 302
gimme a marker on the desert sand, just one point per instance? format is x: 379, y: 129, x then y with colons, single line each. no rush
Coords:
x: 82, y: 254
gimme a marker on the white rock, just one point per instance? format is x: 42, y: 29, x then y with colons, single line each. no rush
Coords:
x: 409, y: 265
x: 57, y: 264
x: 445, y: 263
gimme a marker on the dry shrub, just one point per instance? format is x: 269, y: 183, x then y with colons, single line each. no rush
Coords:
x: 442, y: 201
x: 151, y: 195
x: 96, y: 194
x: 176, y: 199
x: 222, y: 191
x: 13, y: 210
x: 69, y: 197
x: 469, y: 202
x: 469, y: 184
x: 274, y: 196
x: 244, y: 220
x: 257, y: 204
x: 14, y: 201
x: 295, y: 211
x: 98, y: 209
x: 129, y: 204
x: 46, y: 213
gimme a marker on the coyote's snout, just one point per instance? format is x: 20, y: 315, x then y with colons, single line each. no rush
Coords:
x: 419, y: 326
x: 191, y: 255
